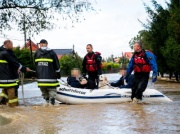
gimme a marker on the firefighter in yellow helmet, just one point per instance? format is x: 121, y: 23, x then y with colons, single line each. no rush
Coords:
x: 9, y: 68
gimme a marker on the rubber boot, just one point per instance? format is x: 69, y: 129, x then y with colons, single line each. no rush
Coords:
x: 52, y: 101
x: 12, y: 98
x: 3, y: 97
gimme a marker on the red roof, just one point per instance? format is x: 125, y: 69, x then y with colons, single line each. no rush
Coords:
x: 33, y: 45
x: 59, y: 56
x: 128, y: 54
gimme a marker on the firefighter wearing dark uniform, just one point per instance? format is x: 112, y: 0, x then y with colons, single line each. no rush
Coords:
x: 9, y: 68
x: 142, y: 63
x: 47, y: 71
x: 92, y: 66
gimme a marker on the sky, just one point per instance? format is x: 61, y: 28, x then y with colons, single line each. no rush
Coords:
x: 109, y: 29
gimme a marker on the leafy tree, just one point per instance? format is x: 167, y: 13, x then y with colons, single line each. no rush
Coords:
x: 68, y: 62
x: 109, y: 66
x: 23, y: 55
x: 123, y: 61
x: 143, y: 37
x: 172, y: 49
x: 162, y: 35
x: 155, y: 35
x: 35, y: 16
x: 24, y: 58
x: 109, y: 59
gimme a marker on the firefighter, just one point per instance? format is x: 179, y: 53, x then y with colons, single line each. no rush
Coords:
x: 9, y: 68
x: 47, y: 71
x: 92, y: 66
x: 142, y: 62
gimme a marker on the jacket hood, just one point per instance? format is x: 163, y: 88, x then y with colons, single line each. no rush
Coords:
x: 44, y: 50
x: 2, y: 48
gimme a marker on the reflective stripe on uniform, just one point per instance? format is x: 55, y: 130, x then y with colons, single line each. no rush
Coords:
x: 3, y: 95
x: 3, y: 61
x: 15, y: 80
x: 50, y: 80
x: 8, y: 85
x: 58, y: 70
x: 48, y: 84
x: 13, y: 100
x: 43, y: 59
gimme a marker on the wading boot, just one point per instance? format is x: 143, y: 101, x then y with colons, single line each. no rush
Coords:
x: 47, y: 102
x: 135, y: 100
x: 140, y: 101
x: 52, y: 101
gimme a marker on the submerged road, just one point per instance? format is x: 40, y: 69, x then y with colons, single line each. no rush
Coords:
x: 124, y: 118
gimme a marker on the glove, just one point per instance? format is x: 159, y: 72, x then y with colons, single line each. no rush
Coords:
x: 58, y: 75
x: 154, y: 78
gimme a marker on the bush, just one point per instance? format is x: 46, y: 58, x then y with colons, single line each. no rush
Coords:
x: 24, y: 57
x: 109, y: 66
x: 68, y: 62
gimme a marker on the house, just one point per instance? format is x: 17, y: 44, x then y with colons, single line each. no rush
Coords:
x: 61, y: 52
x: 128, y: 55
x: 32, y: 44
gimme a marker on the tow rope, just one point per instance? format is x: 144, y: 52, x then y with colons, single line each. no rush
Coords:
x: 21, y: 76
x: 66, y: 84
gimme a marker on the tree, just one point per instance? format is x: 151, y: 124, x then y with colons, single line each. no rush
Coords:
x: 143, y: 37
x: 172, y: 49
x: 35, y: 16
x: 68, y: 62
x: 155, y: 34
x: 162, y: 35
x: 123, y: 61
x: 23, y: 56
x: 110, y: 67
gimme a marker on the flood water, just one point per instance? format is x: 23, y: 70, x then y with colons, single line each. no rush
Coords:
x: 124, y: 118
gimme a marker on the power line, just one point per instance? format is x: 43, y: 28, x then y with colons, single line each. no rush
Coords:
x: 11, y: 38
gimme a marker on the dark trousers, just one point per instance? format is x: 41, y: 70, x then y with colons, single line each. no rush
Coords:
x: 140, y: 83
x: 92, y: 80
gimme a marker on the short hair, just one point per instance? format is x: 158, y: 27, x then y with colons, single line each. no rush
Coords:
x: 90, y: 45
x: 75, y: 69
x: 7, y: 41
x: 139, y: 43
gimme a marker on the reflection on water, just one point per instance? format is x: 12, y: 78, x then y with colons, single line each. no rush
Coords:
x: 124, y: 118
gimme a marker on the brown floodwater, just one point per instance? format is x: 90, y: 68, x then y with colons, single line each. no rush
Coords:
x: 124, y: 118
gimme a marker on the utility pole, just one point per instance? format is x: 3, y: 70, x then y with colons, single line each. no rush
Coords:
x: 122, y: 58
x: 73, y: 52
x: 76, y: 58
x: 31, y: 51
x: 24, y: 29
x: 112, y: 56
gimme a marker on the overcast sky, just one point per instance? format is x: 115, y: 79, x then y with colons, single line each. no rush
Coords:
x: 109, y: 29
